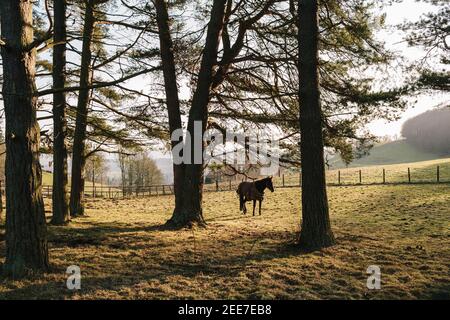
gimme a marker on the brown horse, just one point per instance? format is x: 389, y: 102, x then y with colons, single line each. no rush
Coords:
x: 253, y: 191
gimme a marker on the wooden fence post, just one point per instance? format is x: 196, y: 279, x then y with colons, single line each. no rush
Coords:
x: 409, y: 175
x: 282, y: 179
x: 229, y: 182
x: 339, y: 176
x: 437, y: 174
x: 360, y: 177
x: 1, y: 198
x: 384, y: 176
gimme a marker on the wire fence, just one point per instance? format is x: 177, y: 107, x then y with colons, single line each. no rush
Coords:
x: 344, y: 177
x: 377, y: 175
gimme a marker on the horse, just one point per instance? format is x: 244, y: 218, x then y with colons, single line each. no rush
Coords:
x: 253, y: 191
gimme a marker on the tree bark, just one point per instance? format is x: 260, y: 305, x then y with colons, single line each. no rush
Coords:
x: 172, y: 99
x: 316, y: 229
x: 192, y: 212
x: 60, y: 204
x: 79, y: 140
x: 26, y: 240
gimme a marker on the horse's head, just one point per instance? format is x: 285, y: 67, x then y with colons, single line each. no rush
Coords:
x: 269, y: 184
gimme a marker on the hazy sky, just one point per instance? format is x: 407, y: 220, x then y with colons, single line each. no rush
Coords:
x: 407, y: 10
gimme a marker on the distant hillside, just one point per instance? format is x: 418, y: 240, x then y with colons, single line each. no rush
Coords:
x: 389, y: 153
x: 47, y: 180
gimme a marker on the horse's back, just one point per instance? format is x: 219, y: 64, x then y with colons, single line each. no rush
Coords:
x: 248, y: 191
x: 243, y: 186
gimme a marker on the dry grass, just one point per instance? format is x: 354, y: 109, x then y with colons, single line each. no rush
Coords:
x: 124, y: 254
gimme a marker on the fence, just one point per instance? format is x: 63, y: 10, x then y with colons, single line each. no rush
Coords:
x: 344, y: 177
x: 376, y: 175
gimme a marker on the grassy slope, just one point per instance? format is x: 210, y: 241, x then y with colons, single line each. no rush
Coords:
x: 423, y: 171
x: 420, y: 172
x: 388, y: 153
x: 47, y: 180
x: 123, y: 253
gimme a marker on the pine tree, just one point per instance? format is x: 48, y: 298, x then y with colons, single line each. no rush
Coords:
x: 26, y: 231
x: 316, y: 228
x: 60, y: 205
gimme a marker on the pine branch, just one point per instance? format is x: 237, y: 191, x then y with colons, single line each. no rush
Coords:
x: 98, y: 84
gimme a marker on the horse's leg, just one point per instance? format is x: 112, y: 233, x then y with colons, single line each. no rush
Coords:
x: 241, y: 203
x: 244, y: 208
x: 254, y: 205
x: 260, y: 201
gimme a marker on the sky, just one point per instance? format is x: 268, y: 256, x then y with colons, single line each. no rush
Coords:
x: 407, y: 10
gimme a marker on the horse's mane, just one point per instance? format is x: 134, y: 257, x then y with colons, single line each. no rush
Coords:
x: 261, y: 184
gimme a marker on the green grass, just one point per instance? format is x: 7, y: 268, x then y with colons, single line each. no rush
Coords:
x: 124, y: 254
x: 395, y: 152
x: 423, y: 171
x: 100, y: 189
x: 47, y: 178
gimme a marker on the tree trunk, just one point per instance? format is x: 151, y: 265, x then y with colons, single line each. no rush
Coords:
x: 26, y: 240
x: 122, y: 168
x: 79, y: 140
x: 60, y: 203
x: 192, y: 212
x: 173, y: 103
x: 316, y: 229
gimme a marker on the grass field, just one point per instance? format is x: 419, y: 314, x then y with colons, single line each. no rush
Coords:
x: 394, y: 152
x: 100, y: 189
x: 422, y: 171
x: 47, y: 178
x: 124, y: 254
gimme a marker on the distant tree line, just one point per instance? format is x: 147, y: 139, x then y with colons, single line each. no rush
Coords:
x: 137, y: 171
x: 430, y: 131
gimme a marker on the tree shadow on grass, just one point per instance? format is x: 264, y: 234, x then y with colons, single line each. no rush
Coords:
x: 160, y: 276
x: 158, y: 271
x: 249, y: 253
x: 94, y: 234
